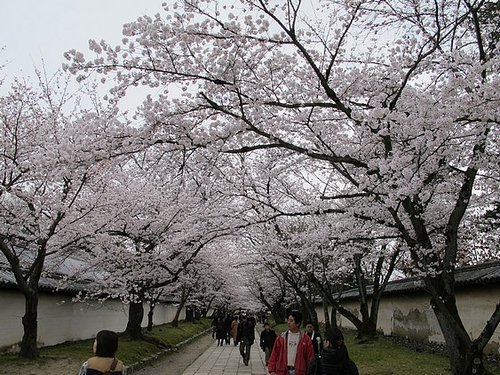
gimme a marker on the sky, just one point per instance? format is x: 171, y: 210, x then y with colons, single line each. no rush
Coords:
x: 36, y: 34
x: 33, y: 31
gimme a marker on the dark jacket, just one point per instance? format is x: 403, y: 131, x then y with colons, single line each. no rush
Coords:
x: 331, y: 362
x: 246, y: 329
x: 227, y: 323
x: 220, y: 330
x: 317, y: 342
x: 267, y: 339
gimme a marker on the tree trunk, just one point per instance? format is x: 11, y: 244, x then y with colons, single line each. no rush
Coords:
x: 150, y: 316
x: 333, y: 317
x: 327, y: 315
x: 30, y: 323
x: 277, y: 310
x: 336, y: 307
x: 209, y: 306
x: 465, y: 357
x: 309, y: 310
x: 175, y: 321
x: 368, y: 327
x: 367, y: 330
x: 135, y: 316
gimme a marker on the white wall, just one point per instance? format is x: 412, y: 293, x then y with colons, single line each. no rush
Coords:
x: 61, y: 320
x: 411, y: 315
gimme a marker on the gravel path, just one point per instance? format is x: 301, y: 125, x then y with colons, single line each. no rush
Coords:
x: 176, y: 362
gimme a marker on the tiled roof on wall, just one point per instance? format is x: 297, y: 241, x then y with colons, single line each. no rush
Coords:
x: 57, y: 283
x: 48, y: 283
x: 480, y: 274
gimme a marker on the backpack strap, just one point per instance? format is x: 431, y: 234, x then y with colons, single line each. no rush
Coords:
x: 112, y: 368
x: 113, y: 364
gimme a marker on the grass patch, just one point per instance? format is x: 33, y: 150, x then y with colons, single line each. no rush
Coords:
x: 383, y: 357
x: 175, y: 335
x: 129, y: 351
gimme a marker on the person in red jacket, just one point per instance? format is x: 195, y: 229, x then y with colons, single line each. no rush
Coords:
x: 292, y: 350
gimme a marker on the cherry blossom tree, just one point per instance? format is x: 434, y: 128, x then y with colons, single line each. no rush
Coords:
x: 314, y: 253
x: 163, y: 207
x: 315, y: 263
x: 51, y: 179
x: 272, y: 291
x: 480, y: 231
x: 206, y: 283
x: 240, y: 270
x: 303, y: 292
x: 399, y: 100
x: 161, y: 211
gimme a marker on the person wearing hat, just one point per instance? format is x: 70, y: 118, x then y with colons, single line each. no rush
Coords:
x: 292, y: 350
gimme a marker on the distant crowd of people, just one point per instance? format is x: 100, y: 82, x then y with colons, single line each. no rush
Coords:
x: 294, y: 352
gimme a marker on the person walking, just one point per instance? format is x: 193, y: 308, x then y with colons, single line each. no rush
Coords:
x: 234, y: 330
x: 334, y: 359
x: 267, y: 339
x: 246, y: 337
x: 292, y: 350
x: 220, y: 332
x: 104, y: 361
x: 227, y: 326
x: 315, y: 337
x: 215, y: 321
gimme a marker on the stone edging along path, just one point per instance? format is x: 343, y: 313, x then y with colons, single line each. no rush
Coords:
x: 163, y: 353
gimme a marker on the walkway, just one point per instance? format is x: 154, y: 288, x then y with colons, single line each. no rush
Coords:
x: 226, y: 360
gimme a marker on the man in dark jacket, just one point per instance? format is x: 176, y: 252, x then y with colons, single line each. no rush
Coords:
x: 246, y: 337
x: 267, y: 338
